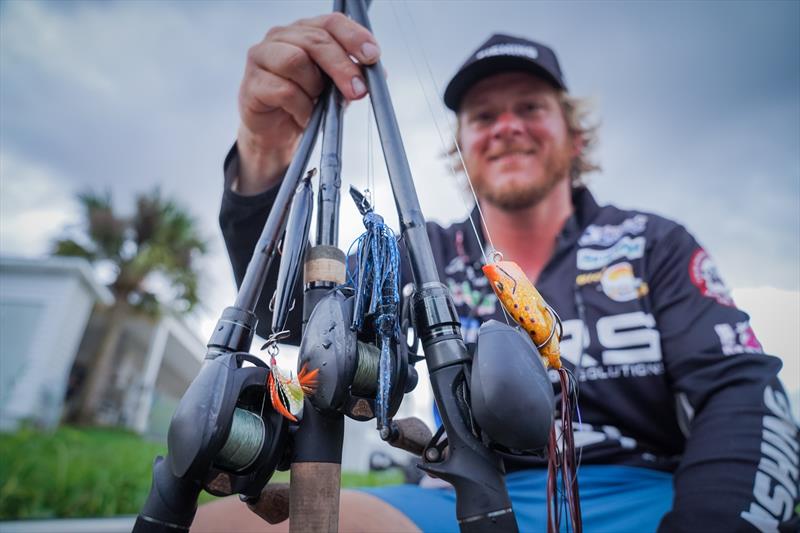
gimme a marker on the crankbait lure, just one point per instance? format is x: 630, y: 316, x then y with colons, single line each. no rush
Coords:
x: 527, y: 307
x: 287, y: 391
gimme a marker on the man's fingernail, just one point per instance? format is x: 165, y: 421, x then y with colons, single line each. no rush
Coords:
x: 358, y: 86
x: 370, y: 51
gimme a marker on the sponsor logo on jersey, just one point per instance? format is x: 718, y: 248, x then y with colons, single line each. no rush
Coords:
x: 630, y: 347
x: 469, y: 287
x: 625, y: 248
x: 619, y: 283
x: 616, y: 281
x: 595, y: 235
x: 588, y: 278
x: 464, y: 294
x: 738, y: 338
x: 776, y: 481
x: 704, y: 275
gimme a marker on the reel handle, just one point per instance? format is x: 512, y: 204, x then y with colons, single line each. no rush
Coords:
x: 273, y: 503
x: 410, y: 434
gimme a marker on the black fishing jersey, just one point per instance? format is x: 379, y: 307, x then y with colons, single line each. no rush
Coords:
x: 671, y: 375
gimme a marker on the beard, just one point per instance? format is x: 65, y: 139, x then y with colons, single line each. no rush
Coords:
x: 518, y: 194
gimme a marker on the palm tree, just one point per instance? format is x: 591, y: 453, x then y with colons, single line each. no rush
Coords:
x: 160, y: 242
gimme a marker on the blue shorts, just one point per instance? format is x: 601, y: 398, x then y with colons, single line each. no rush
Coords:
x: 616, y: 499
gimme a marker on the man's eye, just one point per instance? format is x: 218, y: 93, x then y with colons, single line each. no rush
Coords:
x: 530, y: 107
x: 483, y: 117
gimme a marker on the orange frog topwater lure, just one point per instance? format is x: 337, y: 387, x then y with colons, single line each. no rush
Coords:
x: 527, y: 307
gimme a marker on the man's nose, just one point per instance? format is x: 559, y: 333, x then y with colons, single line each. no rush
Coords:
x: 507, y: 124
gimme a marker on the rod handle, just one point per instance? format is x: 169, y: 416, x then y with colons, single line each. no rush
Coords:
x: 171, y: 504
x: 314, y: 497
x: 501, y: 521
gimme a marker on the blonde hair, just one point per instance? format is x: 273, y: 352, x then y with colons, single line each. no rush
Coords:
x: 577, y: 114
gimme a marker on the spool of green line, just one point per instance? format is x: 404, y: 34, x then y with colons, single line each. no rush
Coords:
x: 244, y: 441
x: 365, y: 381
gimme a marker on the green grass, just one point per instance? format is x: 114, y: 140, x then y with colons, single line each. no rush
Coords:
x: 92, y: 472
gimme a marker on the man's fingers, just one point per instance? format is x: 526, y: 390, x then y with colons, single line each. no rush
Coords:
x: 290, y: 62
x: 263, y: 92
x: 352, y: 36
x: 329, y: 55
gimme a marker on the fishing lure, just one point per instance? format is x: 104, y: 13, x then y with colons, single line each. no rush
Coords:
x: 287, y: 391
x: 527, y: 307
x: 376, y: 281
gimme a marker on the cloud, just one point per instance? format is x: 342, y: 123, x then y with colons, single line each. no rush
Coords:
x: 36, y: 204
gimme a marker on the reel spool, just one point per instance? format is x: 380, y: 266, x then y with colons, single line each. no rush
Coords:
x: 348, y: 363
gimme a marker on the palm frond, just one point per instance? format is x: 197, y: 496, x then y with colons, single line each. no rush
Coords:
x: 160, y: 238
x: 69, y: 247
x: 106, y: 230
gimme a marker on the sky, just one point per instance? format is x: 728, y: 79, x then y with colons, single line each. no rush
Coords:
x: 698, y: 105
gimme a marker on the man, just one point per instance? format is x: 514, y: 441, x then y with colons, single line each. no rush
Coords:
x: 684, y: 425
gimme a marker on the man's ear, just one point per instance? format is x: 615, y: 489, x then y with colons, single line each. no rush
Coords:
x: 457, y: 132
x: 578, y: 144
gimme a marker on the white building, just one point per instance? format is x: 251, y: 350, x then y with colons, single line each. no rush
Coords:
x: 45, y: 306
x: 52, y: 317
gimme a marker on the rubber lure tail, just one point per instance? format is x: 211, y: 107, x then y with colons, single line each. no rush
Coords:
x: 526, y: 306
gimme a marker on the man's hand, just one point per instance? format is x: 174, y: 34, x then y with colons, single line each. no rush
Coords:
x: 282, y: 79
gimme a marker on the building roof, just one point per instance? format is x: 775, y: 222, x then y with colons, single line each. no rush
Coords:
x: 74, y: 266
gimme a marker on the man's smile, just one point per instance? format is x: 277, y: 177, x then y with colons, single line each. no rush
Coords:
x: 511, y: 153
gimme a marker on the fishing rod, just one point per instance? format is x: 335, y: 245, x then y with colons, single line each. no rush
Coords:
x: 476, y: 473
x: 224, y: 437
x: 230, y: 432
x: 317, y: 455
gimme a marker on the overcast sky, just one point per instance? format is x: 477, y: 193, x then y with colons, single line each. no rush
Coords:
x: 698, y: 102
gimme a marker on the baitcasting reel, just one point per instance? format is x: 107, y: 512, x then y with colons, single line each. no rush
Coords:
x: 225, y: 437
x: 505, y: 397
x: 231, y: 439
x: 511, y: 397
x: 348, y: 361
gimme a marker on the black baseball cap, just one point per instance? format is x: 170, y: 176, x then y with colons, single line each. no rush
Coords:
x: 502, y: 53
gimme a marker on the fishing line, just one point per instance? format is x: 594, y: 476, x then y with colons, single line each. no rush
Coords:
x: 247, y: 436
x: 496, y: 255
x: 365, y: 381
x: 442, y: 140
x: 369, y: 192
x: 449, y: 128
